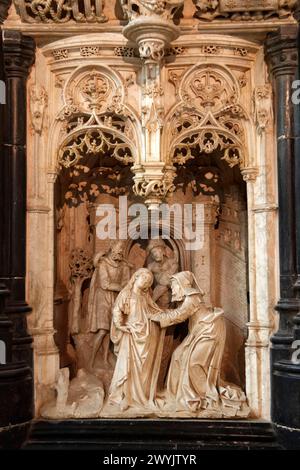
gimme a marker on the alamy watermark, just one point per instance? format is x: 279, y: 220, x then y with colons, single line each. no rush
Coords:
x: 2, y: 92
x: 178, y: 221
x: 296, y: 353
x: 296, y: 93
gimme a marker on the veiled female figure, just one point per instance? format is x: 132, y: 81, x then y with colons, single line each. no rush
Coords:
x: 193, y: 383
x: 138, y: 344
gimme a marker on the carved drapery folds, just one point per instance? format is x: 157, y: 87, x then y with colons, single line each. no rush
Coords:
x: 60, y: 11
x: 98, y: 134
x: 208, y: 118
x: 244, y: 10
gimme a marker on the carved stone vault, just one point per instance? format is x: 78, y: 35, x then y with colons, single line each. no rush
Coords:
x: 131, y: 103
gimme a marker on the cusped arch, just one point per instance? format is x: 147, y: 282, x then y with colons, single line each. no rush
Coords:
x: 94, y: 118
x: 209, y: 115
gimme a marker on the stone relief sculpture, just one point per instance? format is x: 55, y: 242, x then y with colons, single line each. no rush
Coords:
x: 112, y: 273
x: 38, y: 104
x: 193, y: 384
x: 138, y: 344
x: 237, y: 10
x: 193, y: 388
x: 60, y: 11
x: 135, y: 8
x: 81, y: 267
x: 81, y: 398
x: 162, y: 267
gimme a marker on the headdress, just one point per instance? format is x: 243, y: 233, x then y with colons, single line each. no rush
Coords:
x: 186, y: 279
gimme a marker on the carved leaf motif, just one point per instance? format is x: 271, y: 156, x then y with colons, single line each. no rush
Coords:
x: 163, y: 8
x: 95, y: 142
x: 60, y: 11
x: 244, y: 10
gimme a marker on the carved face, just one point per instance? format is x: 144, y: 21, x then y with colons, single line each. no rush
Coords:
x: 177, y: 292
x: 144, y: 281
x: 157, y: 253
x: 117, y: 252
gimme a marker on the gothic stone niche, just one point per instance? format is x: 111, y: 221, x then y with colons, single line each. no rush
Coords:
x: 208, y: 113
x: 92, y: 272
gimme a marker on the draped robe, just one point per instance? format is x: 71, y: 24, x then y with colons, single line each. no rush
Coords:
x: 138, y: 352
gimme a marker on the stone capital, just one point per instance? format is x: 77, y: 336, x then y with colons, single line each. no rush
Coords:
x: 19, y: 54
x: 282, y: 51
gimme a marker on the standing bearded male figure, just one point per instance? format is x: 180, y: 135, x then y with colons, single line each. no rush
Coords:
x: 112, y: 273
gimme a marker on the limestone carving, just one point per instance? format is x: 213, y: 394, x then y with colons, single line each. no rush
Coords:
x: 38, y: 104
x: 60, y: 11
x: 152, y: 29
x: 81, y: 267
x: 207, y: 117
x: 90, y: 51
x: 165, y: 9
x: 193, y: 383
x: 61, y: 54
x: 80, y: 398
x: 245, y: 10
x: 162, y: 267
x: 111, y: 274
x: 97, y: 121
x: 138, y: 344
x: 263, y: 106
x: 124, y: 51
x: 153, y: 186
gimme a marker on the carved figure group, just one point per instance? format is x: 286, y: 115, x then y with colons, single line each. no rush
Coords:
x: 130, y: 314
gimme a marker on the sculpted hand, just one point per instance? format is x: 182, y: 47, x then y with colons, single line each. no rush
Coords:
x: 155, y: 317
x: 125, y: 329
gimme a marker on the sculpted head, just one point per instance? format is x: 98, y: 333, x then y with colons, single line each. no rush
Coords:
x: 143, y: 279
x: 182, y: 284
x: 177, y: 290
x: 157, y: 250
x: 117, y: 251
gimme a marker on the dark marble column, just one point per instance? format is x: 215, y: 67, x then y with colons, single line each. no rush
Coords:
x: 282, y: 56
x: 4, y: 6
x: 297, y: 178
x: 18, y: 51
x: 16, y: 383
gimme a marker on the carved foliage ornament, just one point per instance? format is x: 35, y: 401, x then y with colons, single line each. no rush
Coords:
x: 244, y: 10
x: 38, y: 103
x: 263, y: 106
x: 97, y: 137
x: 94, y: 141
x: 208, y: 119
x: 60, y: 11
x: 81, y: 264
x: 165, y: 9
